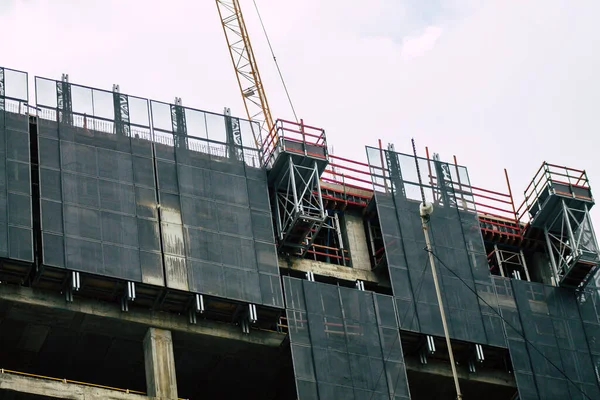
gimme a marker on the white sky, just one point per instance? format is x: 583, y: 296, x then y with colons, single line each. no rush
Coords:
x: 498, y: 83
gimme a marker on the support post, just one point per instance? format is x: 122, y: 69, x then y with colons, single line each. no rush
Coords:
x: 425, y: 210
x: 318, y: 182
x: 551, y: 255
x: 499, y: 259
x: 293, y: 184
x: 160, y: 365
x: 524, y: 265
x: 424, y: 221
x: 567, y: 219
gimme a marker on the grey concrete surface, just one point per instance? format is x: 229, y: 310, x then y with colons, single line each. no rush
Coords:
x: 161, y: 381
x: 60, y: 390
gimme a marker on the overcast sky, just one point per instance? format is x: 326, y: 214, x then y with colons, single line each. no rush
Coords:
x: 498, y: 83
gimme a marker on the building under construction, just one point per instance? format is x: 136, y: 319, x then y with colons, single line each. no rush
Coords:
x: 149, y: 250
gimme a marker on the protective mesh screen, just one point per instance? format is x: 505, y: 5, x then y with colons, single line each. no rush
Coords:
x: 456, y: 240
x: 550, y: 318
x: 555, y: 322
x: 98, y: 198
x: 345, y: 343
x: 16, y: 237
x: 216, y: 222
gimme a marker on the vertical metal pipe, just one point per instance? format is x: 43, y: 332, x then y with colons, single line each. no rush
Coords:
x: 430, y: 173
x: 441, y: 305
x: 512, y: 201
x: 567, y: 219
x: 589, y: 221
x: 524, y: 265
x: 551, y: 254
x: 462, y: 196
x: 293, y: 184
x: 499, y: 259
x: 318, y: 183
x: 382, y: 166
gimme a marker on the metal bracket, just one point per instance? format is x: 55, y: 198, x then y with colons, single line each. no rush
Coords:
x: 310, y: 276
x: 423, y: 356
x: 73, y: 286
x: 198, y: 308
x: 245, y: 326
x: 479, y: 357
x: 472, y: 368
x: 360, y: 285
x: 430, y: 345
x: 128, y: 296
x: 253, y: 315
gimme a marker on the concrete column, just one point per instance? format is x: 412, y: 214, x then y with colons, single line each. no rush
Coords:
x: 357, y: 241
x: 160, y: 364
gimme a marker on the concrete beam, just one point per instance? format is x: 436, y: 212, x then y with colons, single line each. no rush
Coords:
x: 335, y: 271
x: 437, y: 367
x: 60, y: 390
x: 357, y: 241
x: 160, y: 364
x: 163, y: 320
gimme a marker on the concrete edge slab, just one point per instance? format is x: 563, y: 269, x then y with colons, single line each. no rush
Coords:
x: 158, y: 319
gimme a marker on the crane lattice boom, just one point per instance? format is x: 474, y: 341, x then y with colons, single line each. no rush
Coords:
x: 244, y: 63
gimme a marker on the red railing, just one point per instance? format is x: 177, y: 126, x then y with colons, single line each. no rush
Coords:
x: 291, y: 131
x: 349, y: 174
x: 548, y: 174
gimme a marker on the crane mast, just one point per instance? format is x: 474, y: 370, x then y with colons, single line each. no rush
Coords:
x: 246, y: 69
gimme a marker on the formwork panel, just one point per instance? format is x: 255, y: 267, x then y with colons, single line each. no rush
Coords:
x: 214, y: 198
x: 550, y: 349
x: 98, y: 197
x: 16, y: 221
x: 456, y: 241
x: 345, y: 342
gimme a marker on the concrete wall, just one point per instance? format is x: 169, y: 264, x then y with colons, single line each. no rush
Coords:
x: 357, y: 241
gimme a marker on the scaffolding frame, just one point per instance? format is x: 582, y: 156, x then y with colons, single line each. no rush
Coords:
x: 572, y: 245
x: 299, y: 206
x: 508, y: 261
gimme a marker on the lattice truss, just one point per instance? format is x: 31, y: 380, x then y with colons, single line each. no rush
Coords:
x: 570, y: 239
x: 299, y: 206
x: 244, y: 62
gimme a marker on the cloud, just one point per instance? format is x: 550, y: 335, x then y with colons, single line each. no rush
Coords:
x: 417, y: 45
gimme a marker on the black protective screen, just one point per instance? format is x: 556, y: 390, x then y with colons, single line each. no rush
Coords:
x: 345, y: 343
x: 456, y: 240
x: 98, y: 198
x: 16, y: 240
x: 216, y: 222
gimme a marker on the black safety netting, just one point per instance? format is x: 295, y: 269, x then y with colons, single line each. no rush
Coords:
x: 345, y: 343
x: 16, y: 233
x: 551, y: 353
x: 456, y: 241
x: 216, y: 222
x: 98, y: 198
x: 551, y: 332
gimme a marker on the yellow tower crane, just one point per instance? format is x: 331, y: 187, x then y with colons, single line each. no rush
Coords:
x: 246, y: 69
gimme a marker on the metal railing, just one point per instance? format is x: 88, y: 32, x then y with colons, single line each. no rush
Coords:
x: 308, y: 137
x: 550, y: 175
x: 63, y: 380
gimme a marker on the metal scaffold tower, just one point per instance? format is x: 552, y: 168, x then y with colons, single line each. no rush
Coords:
x: 558, y: 202
x: 296, y: 156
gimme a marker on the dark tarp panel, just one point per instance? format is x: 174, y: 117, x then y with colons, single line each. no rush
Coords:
x: 16, y: 221
x: 345, y: 343
x: 556, y: 348
x: 550, y: 332
x: 215, y: 213
x: 98, y: 198
x: 456, y: 240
